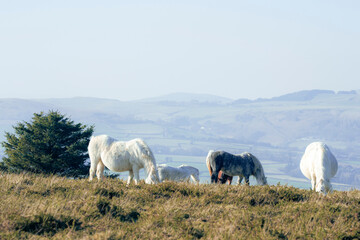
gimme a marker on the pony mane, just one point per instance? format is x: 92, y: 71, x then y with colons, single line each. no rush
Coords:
x: 150, y: 162
x: 258, y: 170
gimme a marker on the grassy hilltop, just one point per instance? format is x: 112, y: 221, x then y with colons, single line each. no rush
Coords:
x: 40, y: 207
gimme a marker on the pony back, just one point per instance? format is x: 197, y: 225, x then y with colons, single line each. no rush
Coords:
x: 98, y: 144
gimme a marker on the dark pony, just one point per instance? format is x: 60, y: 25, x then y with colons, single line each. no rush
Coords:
x: 222, y: 177
x: 243, y: 165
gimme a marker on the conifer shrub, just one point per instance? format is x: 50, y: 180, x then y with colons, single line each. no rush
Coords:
x: 50, y: 143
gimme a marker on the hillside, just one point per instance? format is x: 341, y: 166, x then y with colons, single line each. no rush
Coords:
x: 182, y: 128
x: 39, y: 207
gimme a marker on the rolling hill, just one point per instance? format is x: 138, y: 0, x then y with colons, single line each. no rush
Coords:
x: 183, y: 127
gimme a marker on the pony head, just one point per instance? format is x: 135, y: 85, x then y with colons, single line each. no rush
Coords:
x: 323, y: 186
x: 149, y: 163
x: 153, y: 174
x: 260, y: 175
x: 195, y: 177
x: 261, y: 180
x: 152, y: 179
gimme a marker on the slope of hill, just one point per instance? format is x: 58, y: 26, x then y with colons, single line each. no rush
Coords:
x: 276, y: 130
x: 37, y: 207
x: 303, y: 95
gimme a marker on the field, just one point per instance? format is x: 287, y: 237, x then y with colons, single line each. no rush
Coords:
x: 51, y: 207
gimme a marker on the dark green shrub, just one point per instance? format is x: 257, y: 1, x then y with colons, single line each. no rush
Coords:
x: 51, y: 143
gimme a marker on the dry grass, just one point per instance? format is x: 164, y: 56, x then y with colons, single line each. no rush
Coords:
x: 40, y: 207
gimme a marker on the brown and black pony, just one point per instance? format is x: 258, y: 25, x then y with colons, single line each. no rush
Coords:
x: 222, y: 177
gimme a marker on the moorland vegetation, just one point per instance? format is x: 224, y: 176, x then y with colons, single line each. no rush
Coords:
x: 35, y: 206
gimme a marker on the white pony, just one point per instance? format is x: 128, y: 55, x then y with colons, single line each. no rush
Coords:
x: 178, y: 174
x: 319, y: 165
x: 121, y: 156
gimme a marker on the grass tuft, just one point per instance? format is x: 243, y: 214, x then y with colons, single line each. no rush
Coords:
x: 108, y: 193
x: 46, y: 224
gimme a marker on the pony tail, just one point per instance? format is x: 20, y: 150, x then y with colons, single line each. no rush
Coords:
x: 208, y: 161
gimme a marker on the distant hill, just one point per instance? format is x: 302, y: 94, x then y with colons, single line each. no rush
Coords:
x: 189, y: 97
x: 302, y: 95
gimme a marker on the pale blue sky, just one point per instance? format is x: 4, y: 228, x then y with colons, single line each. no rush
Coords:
x: 137, y: 49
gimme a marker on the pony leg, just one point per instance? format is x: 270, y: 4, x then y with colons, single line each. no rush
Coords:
x: 131, y: 176
x: 221, y: 177
x: 93, y: 165
x: 214, y: 177
x: 136, y: 175
x: 313, y: 184
x: 100, y: 170
x: 247, y: 182
x: 239, y: 180
x: 91, y: 173
x: 230, y: 179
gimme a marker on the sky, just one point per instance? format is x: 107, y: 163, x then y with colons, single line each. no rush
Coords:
x: 131, y: 50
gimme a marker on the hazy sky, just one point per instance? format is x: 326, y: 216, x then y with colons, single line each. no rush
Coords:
x: 136, y: 49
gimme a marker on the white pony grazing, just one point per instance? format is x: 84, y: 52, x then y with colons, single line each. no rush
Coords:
x: 178, y: 174
x: 121, y: 156
x: 319, y: 165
